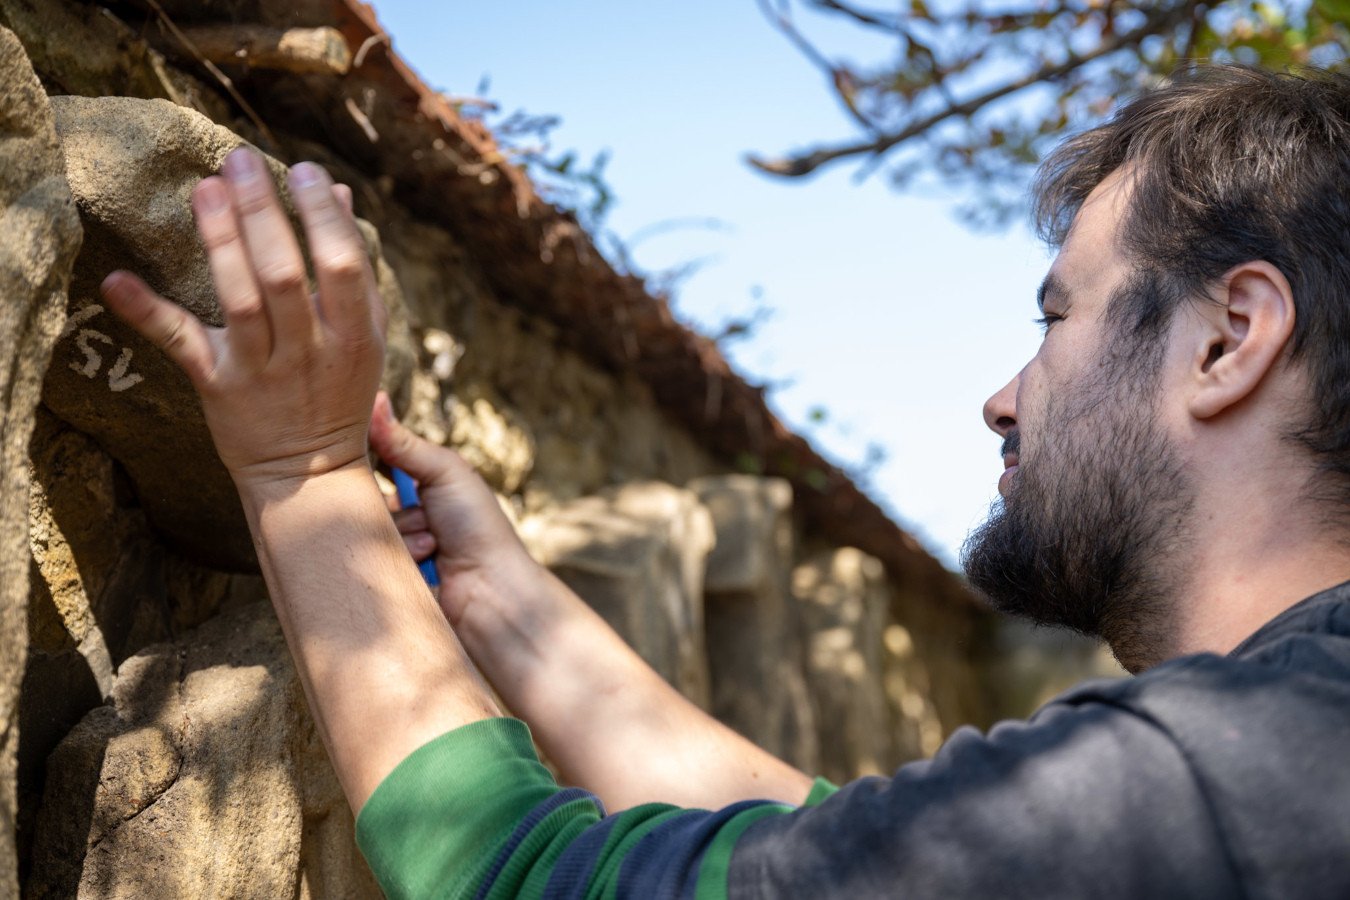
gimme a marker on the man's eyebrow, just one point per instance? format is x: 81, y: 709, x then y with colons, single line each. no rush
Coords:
x: 1051, y: 289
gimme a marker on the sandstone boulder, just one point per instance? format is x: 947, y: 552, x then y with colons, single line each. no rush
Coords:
x: 202, y: 777
x: 41, y: 238
x: 132, y: 165
x: 755, y: 651
x: 636, y: 554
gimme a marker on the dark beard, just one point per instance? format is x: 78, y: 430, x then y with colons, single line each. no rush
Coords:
x: 1091, y: 526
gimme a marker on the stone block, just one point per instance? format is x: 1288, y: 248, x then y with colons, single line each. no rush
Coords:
x: 755, y: 651
x: 754, y: 530
x: 844, y: 603
x: 41, y: 236
x: 636, y: 554
x: 202, y: 777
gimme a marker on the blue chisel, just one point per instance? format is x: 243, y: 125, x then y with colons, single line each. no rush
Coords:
x: 407, y: 497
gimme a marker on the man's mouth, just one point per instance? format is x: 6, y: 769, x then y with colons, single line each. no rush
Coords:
x: 1012, y: 443
x: 1010, y: 465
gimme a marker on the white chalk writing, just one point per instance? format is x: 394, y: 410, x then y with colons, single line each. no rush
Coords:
x: 92, y: 360
x: 119, y: 378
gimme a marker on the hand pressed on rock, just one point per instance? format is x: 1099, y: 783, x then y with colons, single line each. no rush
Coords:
x: 287, y: 383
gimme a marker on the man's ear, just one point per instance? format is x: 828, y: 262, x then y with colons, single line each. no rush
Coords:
x: 1243, y: 336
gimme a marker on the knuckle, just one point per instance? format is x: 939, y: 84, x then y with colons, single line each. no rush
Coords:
x: 345, y: 265
x: 172, y: 335
x: 253, y: 199
x: 247, y: 310
x: 218, y: 236
x: 282, y: 278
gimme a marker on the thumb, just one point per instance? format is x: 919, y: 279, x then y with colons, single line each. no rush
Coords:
x: 397, y: 445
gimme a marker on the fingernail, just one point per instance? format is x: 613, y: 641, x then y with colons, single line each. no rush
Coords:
x: 304, y: 175
x: 423, y: 543
x: 212, y: 197
x: 114, y: 286
x: 242, y: 165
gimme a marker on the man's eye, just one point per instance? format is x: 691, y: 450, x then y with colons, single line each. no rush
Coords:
x: 1047, y: 321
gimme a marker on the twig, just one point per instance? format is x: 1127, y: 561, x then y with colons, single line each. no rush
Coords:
x: 211, y: 67
x: 782, y: 20
x: 862, y: 16
x: 367, y: 45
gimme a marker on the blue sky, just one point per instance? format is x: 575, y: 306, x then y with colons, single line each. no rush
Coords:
x: 887, y: 312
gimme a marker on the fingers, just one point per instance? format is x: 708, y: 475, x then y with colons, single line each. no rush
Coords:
x: 248, y: 332
x: 420, y: 545
x: 411, y: 520
x: 273, y: 252
x: 338, y: 251
x: 172, y: 328
x: 344, y: 195
x: 428, y: 463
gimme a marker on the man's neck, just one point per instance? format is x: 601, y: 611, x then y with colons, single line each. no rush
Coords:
x: 1245, y: 575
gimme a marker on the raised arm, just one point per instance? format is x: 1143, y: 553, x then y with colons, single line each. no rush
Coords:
x: 609, y: 722
x: 287, y: 387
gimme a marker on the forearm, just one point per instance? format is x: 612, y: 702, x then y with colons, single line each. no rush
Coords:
x: 610, y: 723
x: 382, y: 670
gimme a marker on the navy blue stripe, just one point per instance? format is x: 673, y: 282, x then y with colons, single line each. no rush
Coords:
x: 576, y: 865
x: 664, y: 864
x: 527, y: 824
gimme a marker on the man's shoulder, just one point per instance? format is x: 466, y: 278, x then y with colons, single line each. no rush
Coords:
x: 1258, y: 729
x: 1197, y: 776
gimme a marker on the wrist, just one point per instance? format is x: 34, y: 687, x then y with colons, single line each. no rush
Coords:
x: 263, y: 485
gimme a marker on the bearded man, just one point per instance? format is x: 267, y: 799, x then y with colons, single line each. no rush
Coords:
x: 1177, y: 481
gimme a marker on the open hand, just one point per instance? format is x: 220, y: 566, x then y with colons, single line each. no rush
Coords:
x: 287, y: 384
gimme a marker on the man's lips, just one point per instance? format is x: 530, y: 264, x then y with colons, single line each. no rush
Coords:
x: 1010, y: 465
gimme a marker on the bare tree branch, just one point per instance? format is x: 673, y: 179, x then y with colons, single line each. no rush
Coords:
x: 838, y: 76
x: 885, y: 21
x: 1158, y: 20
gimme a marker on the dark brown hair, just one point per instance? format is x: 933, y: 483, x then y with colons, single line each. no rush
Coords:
x: 1228, y: 165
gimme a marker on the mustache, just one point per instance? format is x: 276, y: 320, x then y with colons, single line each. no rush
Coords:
x: 1011, y: 444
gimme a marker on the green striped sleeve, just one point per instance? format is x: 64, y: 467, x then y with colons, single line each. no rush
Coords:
x: 474, y: 813
x: 427, y: 830
x: 712, y: 875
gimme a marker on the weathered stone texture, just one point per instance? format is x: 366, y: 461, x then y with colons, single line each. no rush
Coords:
x: 505, y: 390
x: 203, y: 777
x: 132, y: 165
x: 755, y: 651
x: 78, y: 48
x: 41, y: 235
x: 844, y: 603
x: 104, y: 586
x: 636, y: 554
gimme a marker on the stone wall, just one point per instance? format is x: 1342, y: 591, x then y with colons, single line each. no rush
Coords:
x: 155, y: 742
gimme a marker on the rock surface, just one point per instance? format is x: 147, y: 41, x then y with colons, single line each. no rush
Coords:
x: 41, y: 235
x: 755, y: 650
x: 844, y: 604
x: 636, y: 554
x: 203, y: 777
x: 131, y: 165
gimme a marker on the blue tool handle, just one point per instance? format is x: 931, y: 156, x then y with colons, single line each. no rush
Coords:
x: 407, y: 496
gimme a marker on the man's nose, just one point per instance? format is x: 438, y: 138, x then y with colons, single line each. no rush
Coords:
x: 1000, y: 410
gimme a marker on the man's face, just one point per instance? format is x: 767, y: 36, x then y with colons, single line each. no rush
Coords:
x: 1094, y: 493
